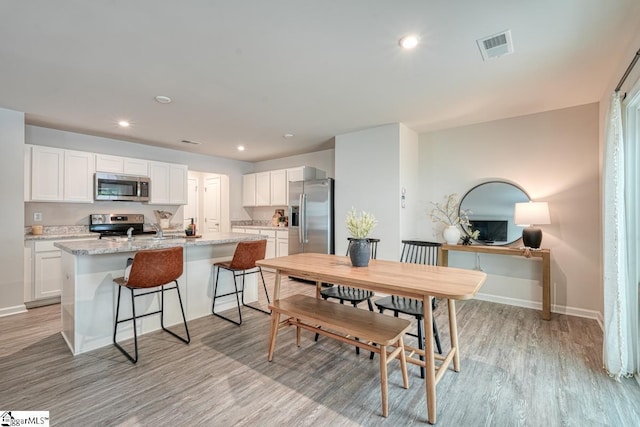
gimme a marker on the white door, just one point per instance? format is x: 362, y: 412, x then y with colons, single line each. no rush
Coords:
x: 191, y: 208
x: 212, y: 204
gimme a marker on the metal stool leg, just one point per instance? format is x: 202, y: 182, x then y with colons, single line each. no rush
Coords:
x: 135, y: 334
x: 215, y: 296
x: 184, y: 319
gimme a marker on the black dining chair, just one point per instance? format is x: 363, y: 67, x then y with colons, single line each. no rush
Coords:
x: 354, y: 296
x: 416, y: 252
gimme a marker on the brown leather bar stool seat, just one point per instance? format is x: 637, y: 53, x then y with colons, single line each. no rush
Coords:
x: 243, y: 263
x: 151, y: 269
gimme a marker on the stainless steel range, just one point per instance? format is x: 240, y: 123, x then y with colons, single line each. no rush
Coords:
x: 117, y: 224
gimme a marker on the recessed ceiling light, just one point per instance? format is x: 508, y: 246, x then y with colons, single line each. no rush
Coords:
x: 287, y: 135
x: 123, y: 124
x: 186, y: 141
x: 163, y: 99
x: 240, y: 147
x: 408, y: 42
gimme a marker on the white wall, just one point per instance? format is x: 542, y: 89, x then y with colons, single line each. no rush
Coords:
x: 554, y: 157
x: 196, y: 162
x: 12, y: 212
x: 368, y: 178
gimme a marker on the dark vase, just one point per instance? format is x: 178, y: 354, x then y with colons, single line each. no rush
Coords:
x: 360, y: 252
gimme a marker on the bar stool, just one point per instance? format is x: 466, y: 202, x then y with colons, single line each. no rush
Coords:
x: 416, y: 252
x: 352, y: 295
x: 151, y: 269
x: 244, y: 259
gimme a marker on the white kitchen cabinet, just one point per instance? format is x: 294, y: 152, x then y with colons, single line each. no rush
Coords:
x: 282, y: 243
x: 121, y: 165
x: 178, y: 180
x: 302, y: 173
x: 47, y: 270
x: 237, y: 230
x: 43, y: 270
x: 168, y: 183
x: 59, y: 175
x: 271, y: 243
x: 27, y: 172
x: 249, y: 189
x: 263, y: 189
x: 279, y: 191
x: 47, y: 178
x: 79, y: 167
x: 110, y: 164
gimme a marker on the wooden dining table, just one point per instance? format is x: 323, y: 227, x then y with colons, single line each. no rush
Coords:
x: 418, y: 281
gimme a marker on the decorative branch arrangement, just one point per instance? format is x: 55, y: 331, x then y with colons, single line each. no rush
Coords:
x: 360, y: 226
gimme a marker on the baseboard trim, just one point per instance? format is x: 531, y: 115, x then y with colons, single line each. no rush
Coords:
x: 8, y: 311
x: 560, y: 309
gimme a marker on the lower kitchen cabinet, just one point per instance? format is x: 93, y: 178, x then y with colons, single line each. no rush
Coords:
x: 47, y: 265
x: 43, y: 271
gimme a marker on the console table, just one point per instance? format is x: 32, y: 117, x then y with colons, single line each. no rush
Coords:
x: 544, y: 254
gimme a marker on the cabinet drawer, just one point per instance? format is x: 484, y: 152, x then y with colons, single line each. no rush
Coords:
x: 268, y: 233
x: 44, y: 246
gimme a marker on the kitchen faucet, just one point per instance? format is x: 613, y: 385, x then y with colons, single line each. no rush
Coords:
x: 158, y: 231
x: 130, y: 233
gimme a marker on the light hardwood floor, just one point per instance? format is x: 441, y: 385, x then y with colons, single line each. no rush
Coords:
x: 516, y: 370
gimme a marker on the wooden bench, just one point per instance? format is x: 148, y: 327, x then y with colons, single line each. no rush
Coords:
x: 374, y: 331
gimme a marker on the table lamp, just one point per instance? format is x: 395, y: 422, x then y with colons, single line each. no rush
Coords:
x: 529, y: 214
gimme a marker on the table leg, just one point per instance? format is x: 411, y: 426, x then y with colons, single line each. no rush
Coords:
x: 453, y: 329
x: 546, y: 286
x: 430, y: 366
x: 276, y: 286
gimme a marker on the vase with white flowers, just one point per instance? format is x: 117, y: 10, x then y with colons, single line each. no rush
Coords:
x: 360, y: 226
x: 449, y: 215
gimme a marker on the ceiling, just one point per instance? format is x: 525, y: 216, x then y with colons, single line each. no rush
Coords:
x: 247, y: 72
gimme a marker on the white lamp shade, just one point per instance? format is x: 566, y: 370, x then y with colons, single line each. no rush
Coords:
x: 532, y: 213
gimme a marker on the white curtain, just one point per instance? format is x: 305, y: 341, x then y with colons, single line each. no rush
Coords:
x: 618, y: 351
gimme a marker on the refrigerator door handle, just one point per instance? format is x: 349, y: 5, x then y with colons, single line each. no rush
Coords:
x: 303, y: 217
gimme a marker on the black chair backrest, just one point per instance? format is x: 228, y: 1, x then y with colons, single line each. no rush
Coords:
x: 372, y: 242
x: 420, y: 252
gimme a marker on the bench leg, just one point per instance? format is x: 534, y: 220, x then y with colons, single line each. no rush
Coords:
x: 383, y: 379
x: 275, y: 321
x: 298, y: 334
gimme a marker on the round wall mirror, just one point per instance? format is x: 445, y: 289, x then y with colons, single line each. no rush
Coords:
x: 490, y: 206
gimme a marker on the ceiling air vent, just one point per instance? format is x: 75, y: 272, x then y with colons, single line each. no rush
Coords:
x: 496, y: 45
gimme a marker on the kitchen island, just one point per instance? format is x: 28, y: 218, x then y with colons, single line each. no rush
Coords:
x: 89, y: 294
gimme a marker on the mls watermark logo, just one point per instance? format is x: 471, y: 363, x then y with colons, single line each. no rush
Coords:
x: 24, y: 418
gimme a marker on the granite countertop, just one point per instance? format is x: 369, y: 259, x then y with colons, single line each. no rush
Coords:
x: 108, y: 246
x: 80, y: 235
x: 261, y: 227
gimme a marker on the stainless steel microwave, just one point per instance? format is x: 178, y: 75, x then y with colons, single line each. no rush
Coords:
x: 126, y: 188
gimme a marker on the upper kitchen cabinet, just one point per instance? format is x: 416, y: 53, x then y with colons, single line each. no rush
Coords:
x: 79, y: 168
x: 279, y: 193
x: 47, y: 177
x: 121, y: 165
x: 272, y: 188
x: 249, y: 189
x: 168, y: 183
x: 263, y: 189
x: 27, y: 172
x: 303, y: 173
x: 59, y: 175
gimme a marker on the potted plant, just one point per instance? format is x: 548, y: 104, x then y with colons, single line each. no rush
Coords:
x: 449, y: 215
x: 359, y: 227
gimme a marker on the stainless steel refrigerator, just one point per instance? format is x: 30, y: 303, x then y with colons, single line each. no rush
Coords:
x: 311, y: 216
